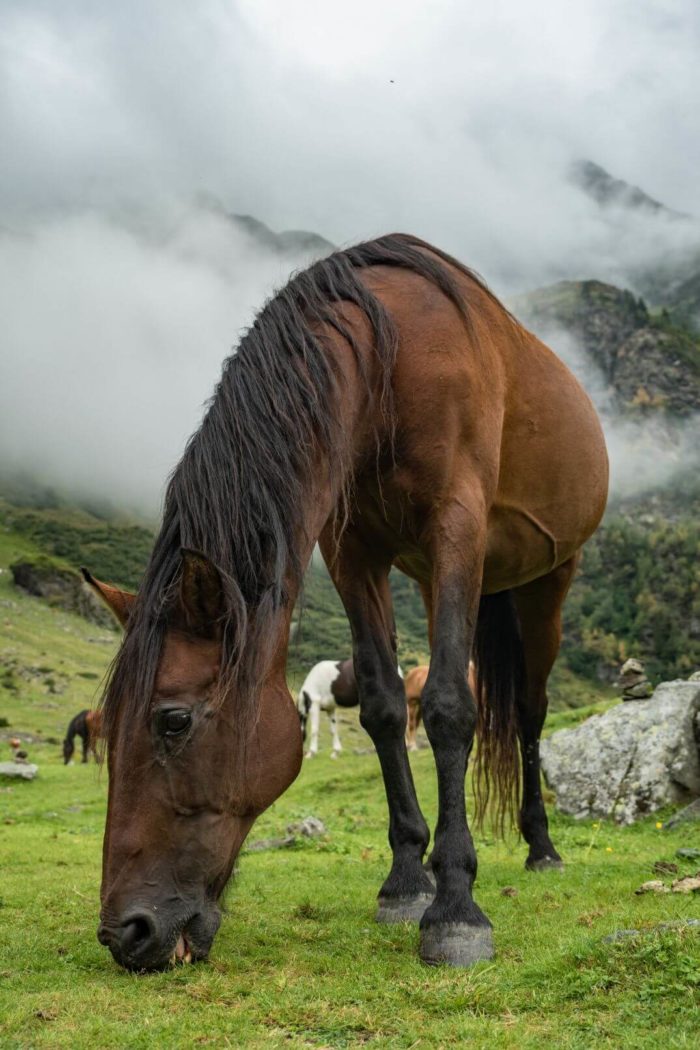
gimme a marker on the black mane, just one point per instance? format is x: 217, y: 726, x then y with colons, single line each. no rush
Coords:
x: 239, y: 492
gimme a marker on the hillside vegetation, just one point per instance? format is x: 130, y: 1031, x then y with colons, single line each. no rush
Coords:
x: 637, y: 593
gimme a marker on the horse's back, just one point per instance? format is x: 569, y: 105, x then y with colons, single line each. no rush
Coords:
x: 318, y: 683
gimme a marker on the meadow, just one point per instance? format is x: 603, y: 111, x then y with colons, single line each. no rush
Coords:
x: 299, y: 960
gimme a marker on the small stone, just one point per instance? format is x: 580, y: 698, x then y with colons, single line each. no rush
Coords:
x: 653, y: 886
x: 641, y: 691
x: 263, y: 844
x: 688, y: 853
x: 18, y: 770
x: 690, y: 884
x: 620, y: 935
x: 309, y: 827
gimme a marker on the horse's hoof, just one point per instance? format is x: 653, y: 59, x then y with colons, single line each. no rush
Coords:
x: 455, y: 944
x: 309, y: 754
x: 544, y: 864
x: 334, y: 754
x: 403, y: 909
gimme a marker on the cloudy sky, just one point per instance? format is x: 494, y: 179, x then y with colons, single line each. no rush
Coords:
x: 455, y: 121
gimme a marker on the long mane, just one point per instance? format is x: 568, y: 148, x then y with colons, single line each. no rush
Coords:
x: 238, y: 493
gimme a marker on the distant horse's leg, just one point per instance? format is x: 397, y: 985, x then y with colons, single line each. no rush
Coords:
x: 337, y: 746
x: 363, y: 584
x: 413, y: 716
x: 454, y: 929
x: 314, y: 721
x: 86, y: 744
x: 539, y: 610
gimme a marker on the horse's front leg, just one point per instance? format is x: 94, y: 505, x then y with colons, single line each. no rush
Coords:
x: 363, y: 585
x: 453, y: 929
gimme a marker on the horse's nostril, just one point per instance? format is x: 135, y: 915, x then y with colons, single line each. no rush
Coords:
x: 136, y: 934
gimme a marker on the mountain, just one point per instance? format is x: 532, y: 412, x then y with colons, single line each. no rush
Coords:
x: 288, y: 243
x: 608, y: 191
x: 648, y: 361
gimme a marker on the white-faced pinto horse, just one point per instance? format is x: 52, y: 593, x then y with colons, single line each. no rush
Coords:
x: 385, y: 405
x: 328, y: 685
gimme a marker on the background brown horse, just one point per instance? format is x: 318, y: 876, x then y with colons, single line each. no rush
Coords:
x: 415, y: 683
x: 386, y: 405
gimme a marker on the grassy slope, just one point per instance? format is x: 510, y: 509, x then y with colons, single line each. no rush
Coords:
x: 299, y: 960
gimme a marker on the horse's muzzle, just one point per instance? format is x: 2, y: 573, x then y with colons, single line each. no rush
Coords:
x: 149, y: 939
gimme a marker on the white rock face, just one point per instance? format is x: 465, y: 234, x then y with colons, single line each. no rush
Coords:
x: 631, y: 760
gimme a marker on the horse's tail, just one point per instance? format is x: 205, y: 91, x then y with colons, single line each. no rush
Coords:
x: 74, y: 726
x: 500, y: 678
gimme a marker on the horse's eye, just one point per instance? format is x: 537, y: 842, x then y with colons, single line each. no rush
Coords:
x: 172, y: 723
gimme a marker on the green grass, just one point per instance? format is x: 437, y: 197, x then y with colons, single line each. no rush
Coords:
x: 299, y: 961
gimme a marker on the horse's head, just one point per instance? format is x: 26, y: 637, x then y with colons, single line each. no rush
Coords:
x: 178, y: 811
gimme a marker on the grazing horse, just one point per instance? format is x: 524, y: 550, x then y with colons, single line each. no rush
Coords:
x: 415, y: 683
x: 88, y: 726
x: 327, y: 685
x: 385, y: 405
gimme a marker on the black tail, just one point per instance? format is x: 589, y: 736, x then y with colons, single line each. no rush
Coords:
x: 500, y: 677
x: 76, y: 725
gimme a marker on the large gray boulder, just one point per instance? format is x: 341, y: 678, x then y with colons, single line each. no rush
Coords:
x: 631, y: 760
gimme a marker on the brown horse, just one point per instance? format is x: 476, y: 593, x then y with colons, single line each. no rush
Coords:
x: 386, y: 405
x: 415, y: 683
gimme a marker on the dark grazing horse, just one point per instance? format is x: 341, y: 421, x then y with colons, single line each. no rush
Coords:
x: 385, y: 405
x: 88, y: 726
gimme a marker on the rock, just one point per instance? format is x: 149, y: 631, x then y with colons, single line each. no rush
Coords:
x: 18, y: 770
x: 662, y: 927
x: 694, y: 677
x: 690, y: 884
x: 310, y: 828
x: 688, y: 853
x: 509, y: 891
x: 633, y: 681
x: 60, y: 586
x: 653, y: 886
x: 639, y: 691
x: 263, y: 844
x: 631, y: 760
x: 690, y: 813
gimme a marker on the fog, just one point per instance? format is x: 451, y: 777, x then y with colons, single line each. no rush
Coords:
x: 120, y: 297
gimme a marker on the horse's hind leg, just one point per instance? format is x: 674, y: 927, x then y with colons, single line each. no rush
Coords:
x: 539, y: 610
x: 362, y: 581
x: 86, y: 745
x: 337, y: 746
x: 413, y: 721
x: 314, y: 726
x: 454, y: 929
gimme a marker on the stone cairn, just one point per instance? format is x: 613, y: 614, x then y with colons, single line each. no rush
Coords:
x: 633, y: 681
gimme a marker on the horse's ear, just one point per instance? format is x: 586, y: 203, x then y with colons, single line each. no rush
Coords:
x: 118, y: 602
x: 201, y: 604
